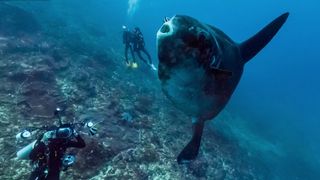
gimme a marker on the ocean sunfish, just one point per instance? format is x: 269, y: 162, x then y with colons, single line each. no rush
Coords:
x: 200, y: 67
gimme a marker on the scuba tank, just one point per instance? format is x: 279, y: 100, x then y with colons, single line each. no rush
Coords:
x: 25, y: 152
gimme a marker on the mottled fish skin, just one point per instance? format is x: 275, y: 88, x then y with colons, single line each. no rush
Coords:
x: 200, y: 67
x: 186, y: 50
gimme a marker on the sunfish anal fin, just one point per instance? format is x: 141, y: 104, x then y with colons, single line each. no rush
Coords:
x: 191, y: 151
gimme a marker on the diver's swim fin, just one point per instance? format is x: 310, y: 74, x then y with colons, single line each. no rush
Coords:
x: 134, y: 65
x: 128, y: 64
x: 191, y: 151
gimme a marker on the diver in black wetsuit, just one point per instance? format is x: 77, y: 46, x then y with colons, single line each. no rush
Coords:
x: 49, y: 152
x: 128, y: 41
x: 139, y: 46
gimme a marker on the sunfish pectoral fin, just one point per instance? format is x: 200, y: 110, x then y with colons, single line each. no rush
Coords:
x: 221, y: 72
x: 252, y: 46
x: 191, y: 151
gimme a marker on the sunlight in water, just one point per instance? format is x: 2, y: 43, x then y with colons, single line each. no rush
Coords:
x: 132, y: 6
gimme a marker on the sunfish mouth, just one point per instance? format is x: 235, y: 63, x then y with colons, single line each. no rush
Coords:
x: 166, y: 28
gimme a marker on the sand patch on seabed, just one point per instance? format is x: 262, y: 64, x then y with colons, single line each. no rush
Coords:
x: 132, y: 6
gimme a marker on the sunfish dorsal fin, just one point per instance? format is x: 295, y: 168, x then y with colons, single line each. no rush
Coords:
x: 252, y: 46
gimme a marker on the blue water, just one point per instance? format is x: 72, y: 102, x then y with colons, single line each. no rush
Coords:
x: 278, y: 96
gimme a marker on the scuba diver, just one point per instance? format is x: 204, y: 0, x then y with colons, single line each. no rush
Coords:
x: 139, y: 46
x: 128, y: 41
x: 48, y: 153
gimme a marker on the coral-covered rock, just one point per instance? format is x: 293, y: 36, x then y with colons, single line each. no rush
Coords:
x: 220, y: 174
x: 92, y: 157
x: 144, y: 104
x: 199, y: 167
x: 42, y: 107
x: 15, y: 21
x: 147, y: 154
